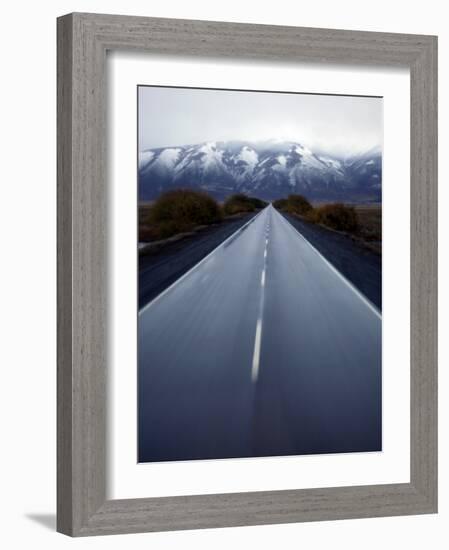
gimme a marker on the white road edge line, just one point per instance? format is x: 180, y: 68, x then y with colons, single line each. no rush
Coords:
x: 364, y: 299
x: 159, y: 296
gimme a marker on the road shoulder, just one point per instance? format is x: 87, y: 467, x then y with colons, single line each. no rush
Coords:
x: 361, y: 266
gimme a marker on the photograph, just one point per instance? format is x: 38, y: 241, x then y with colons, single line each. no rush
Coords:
x: 259, y: 245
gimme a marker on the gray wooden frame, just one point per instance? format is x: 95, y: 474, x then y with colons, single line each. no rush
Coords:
x: 83, y: 40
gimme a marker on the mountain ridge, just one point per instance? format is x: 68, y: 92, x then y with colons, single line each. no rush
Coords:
x: 268, y: 170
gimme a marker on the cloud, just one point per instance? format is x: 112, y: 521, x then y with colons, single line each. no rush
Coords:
x: 335, y: 124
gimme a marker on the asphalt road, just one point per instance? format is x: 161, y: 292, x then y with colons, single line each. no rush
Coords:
x: 161, y: 268
x: 262, y: 349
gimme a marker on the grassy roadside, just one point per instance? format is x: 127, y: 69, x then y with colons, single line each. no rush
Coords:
x: 370, y: 225
x: 362, y: 223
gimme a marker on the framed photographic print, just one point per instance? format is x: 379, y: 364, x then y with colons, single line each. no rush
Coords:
x: 246, y: 274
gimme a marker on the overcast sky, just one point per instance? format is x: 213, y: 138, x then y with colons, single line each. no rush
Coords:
x: 182, y: 116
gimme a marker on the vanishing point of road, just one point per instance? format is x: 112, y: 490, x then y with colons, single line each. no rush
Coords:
x: 261, y: 349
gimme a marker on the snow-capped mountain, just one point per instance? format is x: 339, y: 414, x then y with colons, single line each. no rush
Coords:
x: 268, y: 170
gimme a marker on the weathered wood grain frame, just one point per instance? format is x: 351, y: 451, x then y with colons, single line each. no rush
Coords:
x: 83, y: 40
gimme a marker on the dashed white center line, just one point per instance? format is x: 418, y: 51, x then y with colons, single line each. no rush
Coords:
x: 256, y: 356
x: 258, y: 336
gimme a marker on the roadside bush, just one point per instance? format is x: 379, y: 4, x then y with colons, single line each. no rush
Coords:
x: 294, y: 204
x: 242, y: 203
x: 336, y: 216
x: 297, y: 204
x: 280, y: 204
x: 180, y: 210
x: 258, y: 203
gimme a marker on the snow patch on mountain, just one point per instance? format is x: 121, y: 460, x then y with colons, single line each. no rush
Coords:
x: 249, y: 156
x: 282, y: 160
x: 301, y: 150
x: 168, y: 158
x: 331, y: 163
x: 211, y: 157
x: 145, y: 158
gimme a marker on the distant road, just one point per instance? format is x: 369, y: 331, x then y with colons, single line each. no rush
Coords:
x: 262, y: 349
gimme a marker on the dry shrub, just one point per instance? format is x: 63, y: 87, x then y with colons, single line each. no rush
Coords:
x: 294, y: 204
x: 336, y: 216
x: 178, y: 211
x: 297, y: 204
x: 242, y: 203
x: 280, y: 204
